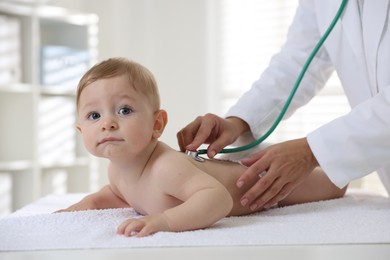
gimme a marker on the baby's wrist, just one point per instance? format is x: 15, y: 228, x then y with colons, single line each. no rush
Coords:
x: 166, y: 222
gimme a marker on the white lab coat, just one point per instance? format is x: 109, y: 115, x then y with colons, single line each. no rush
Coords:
x: 358, y: 49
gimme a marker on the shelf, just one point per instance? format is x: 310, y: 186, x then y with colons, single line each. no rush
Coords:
x: 20, y: 88
x: 45, y: 51
x: 52, y: 13
x: 57, y: 92
x: 62, y: 15
x: 23, y: 165
x: 15, y: 166
x: 16, y: 88
x: 78, y: 162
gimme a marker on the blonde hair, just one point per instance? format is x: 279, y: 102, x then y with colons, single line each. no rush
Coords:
x: 140, y: 78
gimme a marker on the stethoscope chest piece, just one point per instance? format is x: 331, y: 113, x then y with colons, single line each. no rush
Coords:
x: 194, y: 155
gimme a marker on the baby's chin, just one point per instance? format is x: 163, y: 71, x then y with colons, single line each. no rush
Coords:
x: 106, y: 151
x: 114, y: 153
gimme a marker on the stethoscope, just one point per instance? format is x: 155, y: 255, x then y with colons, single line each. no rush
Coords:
x: 195, y: 154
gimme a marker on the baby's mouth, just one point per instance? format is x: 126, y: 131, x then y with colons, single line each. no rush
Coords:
x: 109, y: 139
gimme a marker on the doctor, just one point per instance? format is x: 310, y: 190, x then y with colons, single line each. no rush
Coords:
x: 348, y: 148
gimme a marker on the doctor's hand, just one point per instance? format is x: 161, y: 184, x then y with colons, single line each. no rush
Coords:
x: 211, y: 129
x: 279, y: 168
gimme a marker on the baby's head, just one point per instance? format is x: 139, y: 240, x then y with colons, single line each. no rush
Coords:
x: 140, y: 78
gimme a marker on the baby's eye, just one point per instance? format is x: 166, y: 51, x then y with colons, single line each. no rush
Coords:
x: 94, y: 116
x: 125, y: 111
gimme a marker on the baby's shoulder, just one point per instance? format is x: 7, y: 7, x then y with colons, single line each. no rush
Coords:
x: 171, y: 162
x: 171, y: 169
x: 171, y: 158
x: 165, y: 153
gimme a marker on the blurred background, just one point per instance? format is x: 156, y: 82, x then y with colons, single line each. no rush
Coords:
x: 203, y: 53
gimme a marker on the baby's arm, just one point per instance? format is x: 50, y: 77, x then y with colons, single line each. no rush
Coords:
x: 203, y: 206
x: 205, y: 201
x: 103, y: 199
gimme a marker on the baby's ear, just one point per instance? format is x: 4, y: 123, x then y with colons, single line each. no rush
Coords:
x: 78, y: 128
x: 161, y: 120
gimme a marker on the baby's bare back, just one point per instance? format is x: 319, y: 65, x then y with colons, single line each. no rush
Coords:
x: 227, y: 173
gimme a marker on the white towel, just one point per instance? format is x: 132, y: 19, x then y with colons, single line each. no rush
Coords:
x: 356, y: 218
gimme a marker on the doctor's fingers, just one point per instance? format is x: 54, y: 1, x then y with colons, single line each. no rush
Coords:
x: 194, y: 134
x: 252, y: 197
x: 257, y: 167
x: 253, y: 158
x: 186, y: 135
x: 278, y: 191
x: 224, y: 139
x: 206, y: 130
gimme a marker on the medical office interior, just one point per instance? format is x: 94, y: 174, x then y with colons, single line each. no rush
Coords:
x: 204, y: 55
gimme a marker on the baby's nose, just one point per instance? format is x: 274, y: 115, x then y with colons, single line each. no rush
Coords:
x: 109, y: 124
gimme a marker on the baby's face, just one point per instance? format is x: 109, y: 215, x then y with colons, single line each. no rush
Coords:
x: 114, y: 119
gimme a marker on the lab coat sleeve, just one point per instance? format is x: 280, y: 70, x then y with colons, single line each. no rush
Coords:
x: 356, y: 144
x: 261, y: 105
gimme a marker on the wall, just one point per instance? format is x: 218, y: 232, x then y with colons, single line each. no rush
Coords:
x: 171, y: 38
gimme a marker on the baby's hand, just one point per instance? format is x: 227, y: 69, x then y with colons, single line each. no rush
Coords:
x: 144, y: 226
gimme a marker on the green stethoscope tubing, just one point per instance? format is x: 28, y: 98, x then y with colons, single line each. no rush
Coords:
x: 293, y: 91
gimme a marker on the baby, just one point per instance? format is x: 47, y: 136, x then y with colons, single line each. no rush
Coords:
x: 119, y: 118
